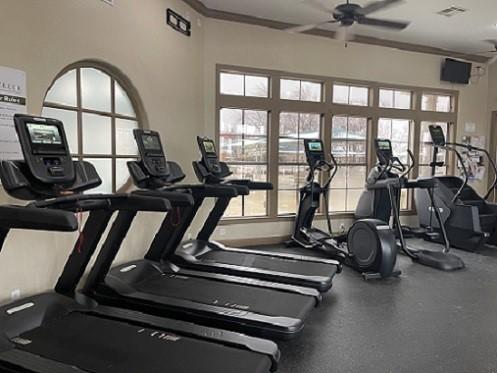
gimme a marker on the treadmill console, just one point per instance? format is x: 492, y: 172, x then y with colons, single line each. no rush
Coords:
x: 437, y: 135
x: 384, y: 150
x: 209, y: 154
x: 45, y: 149
x: 151, y: 152
x: 314, y: 152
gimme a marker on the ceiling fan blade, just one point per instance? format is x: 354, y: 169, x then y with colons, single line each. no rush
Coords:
x: 304, y: 28
x: 376, y: 6
x: 317, y: 5
x: 395, y: 25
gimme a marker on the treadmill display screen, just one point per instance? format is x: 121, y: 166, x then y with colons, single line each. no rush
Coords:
x: 151, y: 142
x: 315, y: 146
x: 209, y: 147
x: 44, y: 134
x: 384, y: 145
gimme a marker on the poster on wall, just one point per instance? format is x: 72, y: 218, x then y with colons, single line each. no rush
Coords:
x: 474, y: 160
x: 12, y: 101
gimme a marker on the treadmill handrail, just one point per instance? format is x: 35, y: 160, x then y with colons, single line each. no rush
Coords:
x: 24, y: 217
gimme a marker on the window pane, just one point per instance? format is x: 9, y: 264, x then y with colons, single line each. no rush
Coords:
x: 402, y: 99
x: 234, y: 209
x: 338, y: 199
x: 356, y: 177
x: 290, y: 89
x: 232, y: 84
x: 436, y: 103
x: 386, y: 98
x: 340, y: 179
x: 97, y: 138
x: 231, y: 148
x: 289, y: 124
x: 287, y: 202
x: 256, y: 122
x: 340, y: 94
x: 70, y: 120
x: 256, y: 204
x: 104, y: 170
x: 311, y: 91
x: 95, y: 90
x: 353, y: 196
x: 63, y: 91
x: 123, y: 178
x: 359, y: 96
x: 125, y: 142
x: 384, y: 128
x: 288, y: 150
x: 288, y: 177
x: 309, y: 126
x: 400, y: 130
x: 357, y: 128
x: 339, y: 151
x: 231, y: 121
x: 255, y: 149
x: 123, y: 103
x: 356, y: 151
x: 256, y: 86
x: 339, y: 127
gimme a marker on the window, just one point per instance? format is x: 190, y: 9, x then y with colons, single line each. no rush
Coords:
x: 394, y: 99
x: 440, y: 103
x: 398, y: 131
x: 350, y: 95
x: 426, y: 150
x: 99, y: 117
x: 300, y: 90
x: 243, y: 145
x: 349, y: 147
x: 244, y: 85
x: 263, y: 138
x: 292, y: 171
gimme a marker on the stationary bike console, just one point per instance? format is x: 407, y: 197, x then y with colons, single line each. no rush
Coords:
x: 314, y: 152
x: 437, y: 135
x: 151, y: 152
x: 45, y: 149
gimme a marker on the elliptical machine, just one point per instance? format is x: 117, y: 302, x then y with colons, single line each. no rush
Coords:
x: 369, y: 247
x: 381, y: 201
x: 469, y: 219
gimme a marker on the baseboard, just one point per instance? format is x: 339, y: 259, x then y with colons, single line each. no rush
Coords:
x: 261, y: 241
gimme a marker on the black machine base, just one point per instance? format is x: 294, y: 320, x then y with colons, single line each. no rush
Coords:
x: 378, y: 276
x: 439, y: 260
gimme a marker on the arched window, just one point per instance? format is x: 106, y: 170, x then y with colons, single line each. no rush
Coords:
x: 99, y: 116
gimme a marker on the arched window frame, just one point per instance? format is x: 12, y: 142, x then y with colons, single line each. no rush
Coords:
x: 116, y: 76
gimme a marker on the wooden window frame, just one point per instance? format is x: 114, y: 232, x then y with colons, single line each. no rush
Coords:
x: 327, y: 109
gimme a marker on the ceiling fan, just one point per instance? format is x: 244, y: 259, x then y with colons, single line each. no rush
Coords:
x: 349, y: 13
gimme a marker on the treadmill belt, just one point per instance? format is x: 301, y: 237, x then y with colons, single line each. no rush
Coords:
x: 249, y: 298
x: 100, y: 345
x: 271, y: 263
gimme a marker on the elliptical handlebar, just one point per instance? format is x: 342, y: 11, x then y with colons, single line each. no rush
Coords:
x: 450, y: 146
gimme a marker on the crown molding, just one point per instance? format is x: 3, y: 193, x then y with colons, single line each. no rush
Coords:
x: 198, y: 6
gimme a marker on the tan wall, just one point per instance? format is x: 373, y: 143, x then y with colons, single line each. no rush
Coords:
x: 42, y: 37
x: 252, y: 46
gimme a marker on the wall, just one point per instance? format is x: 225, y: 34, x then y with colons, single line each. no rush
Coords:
x: 244, y: 45
x: 42, y: 37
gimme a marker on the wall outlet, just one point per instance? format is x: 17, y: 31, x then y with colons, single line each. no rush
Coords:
x: 15, y: 294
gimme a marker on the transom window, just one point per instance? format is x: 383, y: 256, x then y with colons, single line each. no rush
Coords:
x: 395, y: 99
x: 350, y: 95
x: 244, y: 85
x: 439, y: 103
x: 99, y: 118
x: 263, y: 138
x: 243, y: 144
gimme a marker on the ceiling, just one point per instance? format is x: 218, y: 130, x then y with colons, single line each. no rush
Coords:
x: 462, y: 32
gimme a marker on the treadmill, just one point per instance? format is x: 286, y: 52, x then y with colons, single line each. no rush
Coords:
x: 160, y: 288
x: 210, y: 256
x: 55, y: 333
